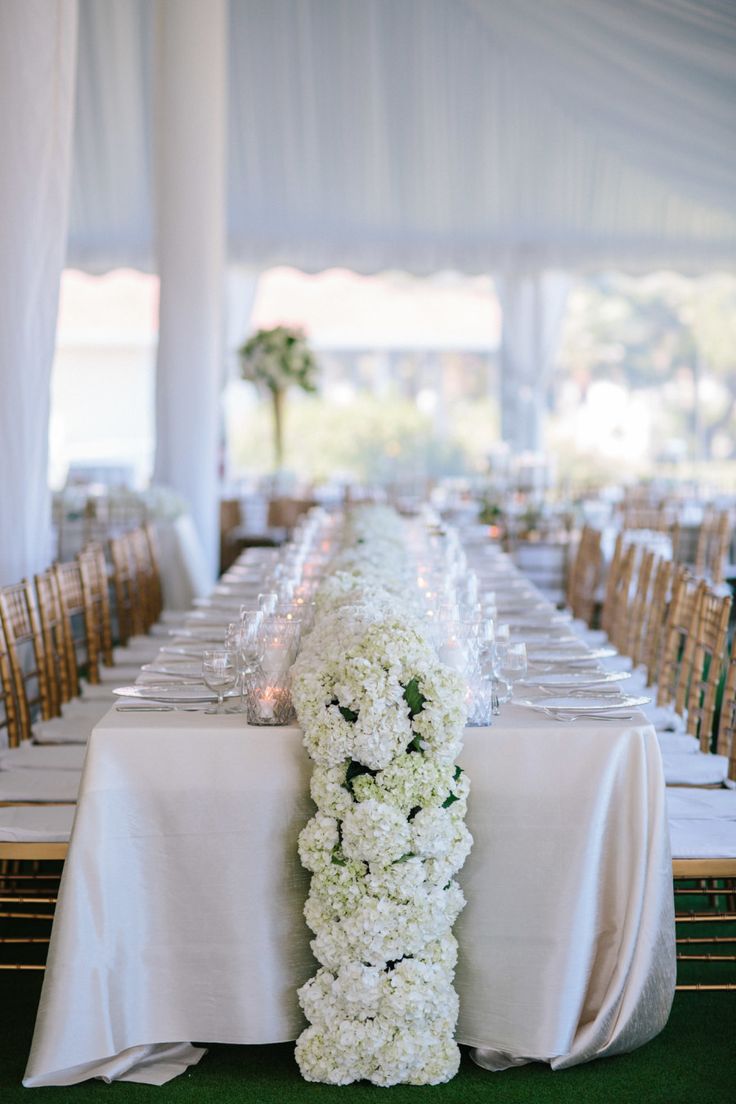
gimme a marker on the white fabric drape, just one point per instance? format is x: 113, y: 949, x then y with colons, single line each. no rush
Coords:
x: 37, y: 67
x: 190, y: 204
x: 241, y: 291
x: 532, y: 305
x: 431, y: 134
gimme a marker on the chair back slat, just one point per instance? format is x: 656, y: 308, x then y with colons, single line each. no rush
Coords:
x: 655, y: 620
x: 632, y: 637
x: 79, y: 647
x: 9, y: 721
x: 585, y: 575
x: 680, y: 629
x: 96, y: 590
x: 726, y: 743
x: 622, y: 598
x: 24, y: 638
x: 54, y: 638
x: 708, y: 649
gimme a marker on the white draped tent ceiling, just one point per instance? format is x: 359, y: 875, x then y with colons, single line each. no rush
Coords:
x: 430, y: 134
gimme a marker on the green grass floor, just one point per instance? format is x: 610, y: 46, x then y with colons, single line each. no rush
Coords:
x: 693, y: 1059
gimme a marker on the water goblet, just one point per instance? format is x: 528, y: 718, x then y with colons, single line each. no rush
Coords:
x: 219, y: 672
x: 267, y: 602
x: 510, y: 665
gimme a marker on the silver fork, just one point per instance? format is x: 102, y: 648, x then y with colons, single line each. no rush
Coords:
x: 568, y: 718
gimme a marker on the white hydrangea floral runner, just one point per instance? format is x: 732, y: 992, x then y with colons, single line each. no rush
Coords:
x: 383, y: 721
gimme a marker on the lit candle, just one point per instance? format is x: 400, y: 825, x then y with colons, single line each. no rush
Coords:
x: 267, y: 703
x: 453, y: 654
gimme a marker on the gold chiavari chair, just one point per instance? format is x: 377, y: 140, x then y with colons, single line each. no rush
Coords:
x: 128, y: 613
x: 704, y: 655
x: 145, y: 577
x: 726, y: 736
x: 612, y: 578
x: 711, y: 552
x: 691, y: 670
x: 35, y: 824
x: 651, y: 642
x: 632, y: 633
x: 105, y: 669
x: 80, y: 635
x: 680, y: 629
x: 62, y: 685
x: 39, y: 697
x: 585, y: 575
x: 29, y: 773
x: 28, y: 664
x: 704, y: 857
x: 621, y: 600
x: 157, y: 597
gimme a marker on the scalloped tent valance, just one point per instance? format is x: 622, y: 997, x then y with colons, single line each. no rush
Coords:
x: 429, y: 134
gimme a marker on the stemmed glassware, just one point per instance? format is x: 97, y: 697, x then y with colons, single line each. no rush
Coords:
x: 242, y: 638
x: 509, y: 665
x: 219, y: 672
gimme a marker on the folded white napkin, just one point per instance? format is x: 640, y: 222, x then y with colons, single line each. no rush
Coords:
x: 39, y: 785
x: 703, y: 839
x: 694, y: 770
x: 664, y: 718
x: 32, y: 757
x: 677, y: 743
x: 685, y: 804
x: 34, y: 824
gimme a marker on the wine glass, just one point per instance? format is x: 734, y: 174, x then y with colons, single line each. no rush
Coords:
x: 219, y: 672
x: 267, y: 602
x: 510, y: 664
x: 241, y: 638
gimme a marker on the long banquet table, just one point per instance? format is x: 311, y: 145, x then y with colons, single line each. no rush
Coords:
x: 180, y: 912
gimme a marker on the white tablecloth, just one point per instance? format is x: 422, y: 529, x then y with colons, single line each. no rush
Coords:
x: 180, y: 911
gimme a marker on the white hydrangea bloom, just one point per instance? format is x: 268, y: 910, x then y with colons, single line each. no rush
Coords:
x: 317, y: 840
x: 375, y: 833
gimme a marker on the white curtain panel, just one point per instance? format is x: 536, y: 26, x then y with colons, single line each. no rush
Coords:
x: 431, y: 134
x: 37, y: 66
x: 532, y: 307
x: 191, y: 66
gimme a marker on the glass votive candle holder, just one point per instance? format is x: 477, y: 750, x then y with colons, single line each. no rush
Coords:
x: 268, y: 700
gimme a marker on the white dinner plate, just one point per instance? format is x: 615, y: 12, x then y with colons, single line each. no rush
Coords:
x: 192, y: 650
x: 204, y: 618
x: 573, y: 679
x: 213, y: 635
x: 539, y: 624
x: 534, y: 638
x: 592, y: 704
x: 567, y: 655
x: 518, y: 609
x: 182, y: 670
x: 169, y: 692
x: 218, y: 602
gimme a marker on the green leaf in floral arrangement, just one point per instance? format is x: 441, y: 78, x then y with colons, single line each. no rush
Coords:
x: 450, y: 800
x: 337, y: 857
x: 456, y: 775
x: 404, y: 858
x: 348, y: 714
x: 356, y: 770
x: 414, y: 698
x: 415, y: 745
x: 413, y: 812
